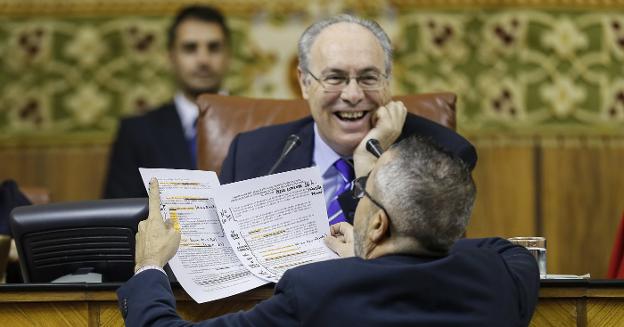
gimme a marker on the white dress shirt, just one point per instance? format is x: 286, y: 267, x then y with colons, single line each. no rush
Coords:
x: 324, y: 157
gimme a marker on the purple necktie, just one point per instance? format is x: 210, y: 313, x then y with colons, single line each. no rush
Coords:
x: 334, y: 212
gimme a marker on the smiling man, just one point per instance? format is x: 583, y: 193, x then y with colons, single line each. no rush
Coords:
x: 199, y: 52
x: 345, y: 67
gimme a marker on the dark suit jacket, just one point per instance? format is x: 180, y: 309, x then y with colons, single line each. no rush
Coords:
x: 252, y: 154
x: 153, y: 140
x: 482, y: 282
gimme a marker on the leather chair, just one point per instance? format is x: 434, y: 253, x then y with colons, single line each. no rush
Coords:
x: 223, y: 117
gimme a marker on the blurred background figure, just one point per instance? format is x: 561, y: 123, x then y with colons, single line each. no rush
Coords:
x: 199, y: 51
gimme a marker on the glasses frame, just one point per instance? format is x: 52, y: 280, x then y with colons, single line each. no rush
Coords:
x: 359, y: 191
x: 344, y: 86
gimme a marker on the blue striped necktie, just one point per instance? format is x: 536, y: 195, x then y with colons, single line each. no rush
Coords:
x: 334, y: 212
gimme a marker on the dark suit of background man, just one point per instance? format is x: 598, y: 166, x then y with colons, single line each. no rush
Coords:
x: 409, y: 268
x: 199, y: 51
x: 345, y: 66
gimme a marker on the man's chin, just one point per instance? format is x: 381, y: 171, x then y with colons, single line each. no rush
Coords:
x: 194, y: 92
x: 346, y: 147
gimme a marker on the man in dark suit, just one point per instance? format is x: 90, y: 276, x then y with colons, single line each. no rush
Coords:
x: 409, y: 268
x: 198, y: 43
x: 345, y: 64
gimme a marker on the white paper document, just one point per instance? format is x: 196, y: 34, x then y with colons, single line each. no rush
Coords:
x: 276, y: 222
x: 238, y: 236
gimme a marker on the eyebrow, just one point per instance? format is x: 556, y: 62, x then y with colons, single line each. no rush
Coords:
x: 201, y: 41
x: 342, y: 71
x: 210, y: 44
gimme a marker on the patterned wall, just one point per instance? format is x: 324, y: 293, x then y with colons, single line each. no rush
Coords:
x: 75, y: 67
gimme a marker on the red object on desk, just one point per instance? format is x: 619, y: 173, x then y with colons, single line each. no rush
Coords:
x: 616, y: 264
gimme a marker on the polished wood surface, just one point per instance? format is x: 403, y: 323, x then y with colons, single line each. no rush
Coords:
x: 568, y: 189
x: 592, y: 303
x: 583, y: 199
x: 561, y: 303
x: 70, y: 171
x: 96, y: 305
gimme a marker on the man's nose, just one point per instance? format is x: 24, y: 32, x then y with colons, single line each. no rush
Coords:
x: 203, y: 56
x: 352, y: 93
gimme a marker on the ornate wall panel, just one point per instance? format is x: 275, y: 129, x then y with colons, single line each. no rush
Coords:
x: 77, y: 66
x: 64, y: 75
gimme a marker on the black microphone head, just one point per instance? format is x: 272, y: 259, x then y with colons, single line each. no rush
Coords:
x: 292, y: 142
x: 373, y: 146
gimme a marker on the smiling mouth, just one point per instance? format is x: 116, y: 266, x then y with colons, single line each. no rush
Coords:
x: 350, y: 115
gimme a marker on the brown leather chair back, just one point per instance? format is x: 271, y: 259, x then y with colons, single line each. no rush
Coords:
x: 223, y: 117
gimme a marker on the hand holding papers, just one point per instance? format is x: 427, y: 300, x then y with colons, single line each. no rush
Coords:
x: 157, y: 241
x: 238, y: 236
x: 341, y: 239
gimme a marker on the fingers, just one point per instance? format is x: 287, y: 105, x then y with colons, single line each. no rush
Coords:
x: 333, y: 243
x: 334, y: 229
x: 154, y: 198
x: 170, y: 225
x: 342, y: 247
x: 342, y: 229
x: 394, y: 112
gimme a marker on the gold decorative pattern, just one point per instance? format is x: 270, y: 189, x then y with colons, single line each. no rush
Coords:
x: 521, y: 71
x: 516, y: 71
x: 275, y: 7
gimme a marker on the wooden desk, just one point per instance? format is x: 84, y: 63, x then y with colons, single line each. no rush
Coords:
x: 561, y: 303
x: 580, y: 303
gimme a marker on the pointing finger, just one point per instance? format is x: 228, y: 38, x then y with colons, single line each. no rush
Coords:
x: 154, y: 198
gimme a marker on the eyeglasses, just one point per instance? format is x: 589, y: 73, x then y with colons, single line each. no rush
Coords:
x: 336, y: 82
x: 359, y: 191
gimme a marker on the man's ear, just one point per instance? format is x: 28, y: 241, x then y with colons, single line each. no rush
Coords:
x: 378, y: 227
x: 303, y: 84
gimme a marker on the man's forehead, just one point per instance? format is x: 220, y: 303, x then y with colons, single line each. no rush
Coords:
x: 198, y: 30
x: 347, y: 44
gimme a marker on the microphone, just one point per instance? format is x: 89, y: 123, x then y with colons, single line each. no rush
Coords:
x: 374, y: 147
x: 291, y: 142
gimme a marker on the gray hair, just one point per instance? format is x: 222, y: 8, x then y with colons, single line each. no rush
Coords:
x: 427, y: 192
x: 309, y: 35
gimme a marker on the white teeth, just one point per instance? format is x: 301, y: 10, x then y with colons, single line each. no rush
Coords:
x: 350, y: 114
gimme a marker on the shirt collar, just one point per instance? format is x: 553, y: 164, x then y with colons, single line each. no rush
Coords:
x: 188, y: 112
x: 324, y: 155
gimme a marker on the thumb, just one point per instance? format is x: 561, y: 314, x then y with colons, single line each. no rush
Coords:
x: 169, y: 224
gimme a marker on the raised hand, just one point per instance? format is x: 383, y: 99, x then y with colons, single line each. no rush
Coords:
x: 156, y: 241
x: 387, y: 126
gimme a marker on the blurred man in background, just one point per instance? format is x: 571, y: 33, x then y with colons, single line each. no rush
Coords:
x: 199, y: 52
